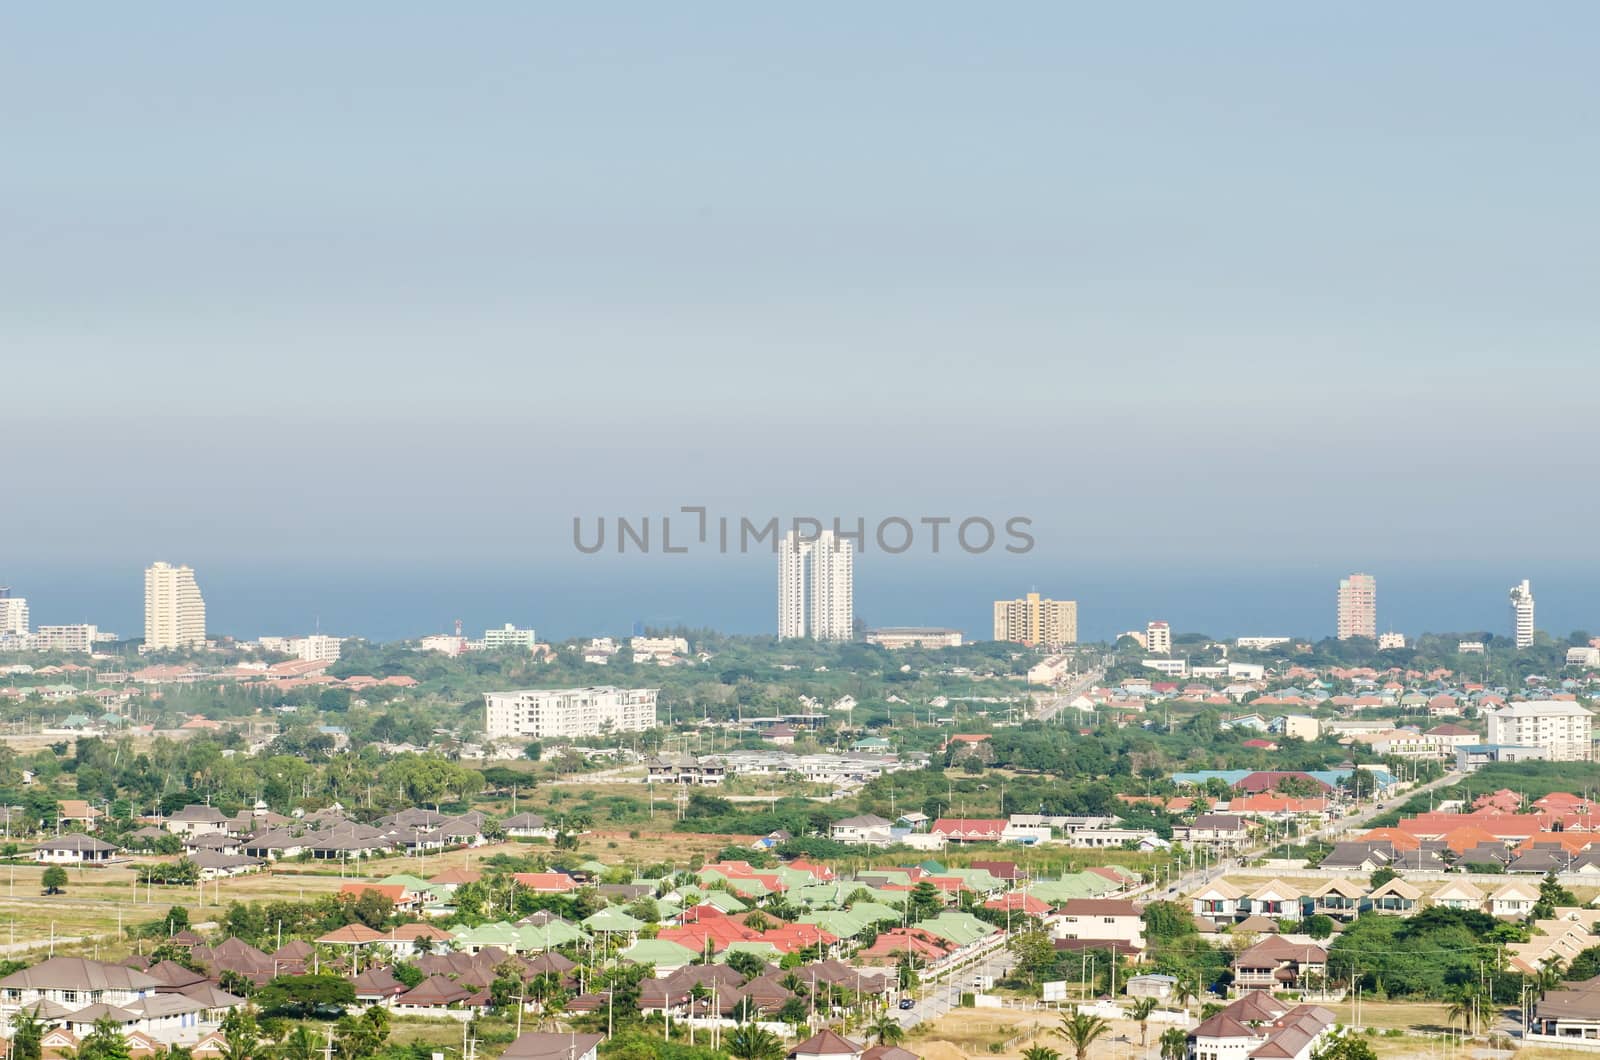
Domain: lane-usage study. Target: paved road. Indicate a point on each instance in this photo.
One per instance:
(1058, 700)
(935, 999)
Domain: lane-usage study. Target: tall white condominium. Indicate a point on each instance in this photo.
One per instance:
(13, 613)
(174, 611)
(547, 712)
(816, 587)
(1358, 607)
(833, 588)
(1522, 613)
(1559, 727)
(792, 553)
(1158, 638)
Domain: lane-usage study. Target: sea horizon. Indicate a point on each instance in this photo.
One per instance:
(737, 595)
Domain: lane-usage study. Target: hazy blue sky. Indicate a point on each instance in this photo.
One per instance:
(1249, 285)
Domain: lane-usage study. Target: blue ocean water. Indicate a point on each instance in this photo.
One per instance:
(585, 596)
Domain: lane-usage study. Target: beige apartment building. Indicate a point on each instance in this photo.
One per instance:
(73, 638)
(174, 611)
(1036, 622)
(1358, 607)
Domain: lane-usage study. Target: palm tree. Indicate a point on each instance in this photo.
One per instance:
(1139, 1012)
(1174, 1043)
(1549, 978)
(886, 1030)
(1185, 991)
(750, 1042)
(1040, 1052)
(239, 1044)
(1081, 1030)
(299, 1045)
(555, 1003)
(1463, 1007)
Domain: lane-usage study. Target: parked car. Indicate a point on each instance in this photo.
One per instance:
(906, 1002)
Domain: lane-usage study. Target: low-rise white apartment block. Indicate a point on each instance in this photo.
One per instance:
(508, 636)
(443, 643)
(897, 637)
(314, 648)
(319, 647)
(78, 638)
(1406, 743)
(1391, 641)
(1575, 656)
(1561, 728)
(656, 649)
(550, 712)
(1469, 647)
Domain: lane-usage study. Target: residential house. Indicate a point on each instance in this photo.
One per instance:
(527, 826)
(1275, 900)
(1219, 900)
(73, 850)
(1224, 831)
(1515, 899)
(1275, 963)
(1568, 1016)
(1255, 1028)
(1395, 898)
(863, 829)
(826, 1045)
(1098, 921)
(1458, 894)
(685, 769)
(1338, 898)
(77, 813)
(196, 820)
(74, 982)
(970, 830)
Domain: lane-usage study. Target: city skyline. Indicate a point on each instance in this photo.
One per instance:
(376, 609)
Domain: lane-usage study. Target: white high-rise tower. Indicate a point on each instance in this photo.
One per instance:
(816, 587)
(833, 595)
(792, 553)
(174, 611)
(13, 613)
(1522, 613)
